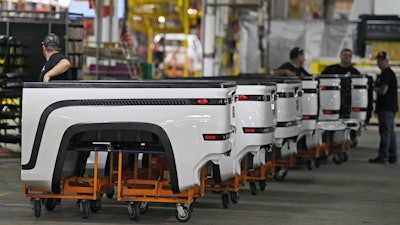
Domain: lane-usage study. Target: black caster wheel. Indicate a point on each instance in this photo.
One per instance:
(317, 163)
(110, 193)
(280, 174)
(143, 207)
(95, 205)
(225, 200)
(310, 164)
(133, 211)
(253, 188)
(337, 158)
(50, 203)
(234, 197)
(37, 207)
(345, 157)
(85, 209)
(262, 184)
(183, 214)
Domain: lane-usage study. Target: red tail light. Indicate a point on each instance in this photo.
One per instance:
(216, 137)
(305, 117)
(210, 137)
(327, 111)
(356, 109)
(202, 101)
(249, 130)
(243, 97)
(322, 88)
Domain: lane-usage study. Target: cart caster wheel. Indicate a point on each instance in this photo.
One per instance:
(280, 174)
(95, 205)
(310, 164)
(133, 211)
(234, 197)
(337, 158)
(353, 140)
(143, 207)
(317, 163)
(110, 193)
(253, 188)
(85, 209)
(345, 157)
(50, 203)
(191, 206)
(262, 184)
(37, 207)
(183, 214)
(225, 200)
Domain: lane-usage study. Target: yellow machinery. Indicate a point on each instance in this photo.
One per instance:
(144, 16)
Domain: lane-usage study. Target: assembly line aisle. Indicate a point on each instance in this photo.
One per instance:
(354, 192)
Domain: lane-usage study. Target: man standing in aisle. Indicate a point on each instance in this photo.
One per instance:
(295, 66)
(57, 67)
(344, 67)
(386, 108)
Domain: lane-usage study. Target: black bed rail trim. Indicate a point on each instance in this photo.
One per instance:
(289, 123)
(310, 91)
(360, 86)
(244, 97)
(285, 94)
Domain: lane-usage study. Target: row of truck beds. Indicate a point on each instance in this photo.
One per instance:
(273, 123)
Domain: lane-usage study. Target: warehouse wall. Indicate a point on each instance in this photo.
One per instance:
(318, 38)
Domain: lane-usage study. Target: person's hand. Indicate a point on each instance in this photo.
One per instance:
(46, 78)
(289, 73)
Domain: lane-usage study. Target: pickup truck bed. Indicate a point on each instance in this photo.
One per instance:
(190, 121)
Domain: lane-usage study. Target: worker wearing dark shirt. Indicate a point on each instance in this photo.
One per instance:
(295, 66)
(386, 108)
(57, 67)
(344, 67)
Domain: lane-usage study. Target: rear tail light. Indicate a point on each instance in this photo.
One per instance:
(356, 109)
(327, 112)
(243, 97)
(258, 130)
(305, 117)
(322, 87)
(249, 130)
(202, 101)
(216, 137)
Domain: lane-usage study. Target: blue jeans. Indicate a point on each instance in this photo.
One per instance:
(388, 144)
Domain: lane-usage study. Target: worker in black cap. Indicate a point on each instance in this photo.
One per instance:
(295, 66)
(57, 67)
(386, 108)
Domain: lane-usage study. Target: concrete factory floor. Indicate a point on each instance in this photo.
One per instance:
(354, 192)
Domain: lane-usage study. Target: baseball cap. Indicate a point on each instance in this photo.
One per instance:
(51, 40)
(296, 51)
(382, 55)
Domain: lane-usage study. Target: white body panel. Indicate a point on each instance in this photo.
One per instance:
(359, 98)
(184, 125)
(309, 104)
(249, 114)
(329, 99)
(288, 110)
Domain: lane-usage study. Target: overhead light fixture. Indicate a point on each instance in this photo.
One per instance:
(161, 19)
